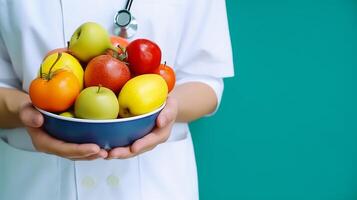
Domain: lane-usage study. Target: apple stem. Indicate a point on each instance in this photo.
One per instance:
(165, 63)
(126, 111)
(59, 55)
(99, 86)
(68, 45)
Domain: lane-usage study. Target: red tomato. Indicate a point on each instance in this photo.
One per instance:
(119, 43)
(168, 74)
(55, 92)
(144, 56)
(106, 71)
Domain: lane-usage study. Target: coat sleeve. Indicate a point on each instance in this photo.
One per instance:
(205, 52)
(8, 78)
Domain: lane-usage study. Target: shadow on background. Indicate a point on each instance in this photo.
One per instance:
(287, 126)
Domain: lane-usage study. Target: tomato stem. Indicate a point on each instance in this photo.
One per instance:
(120, 56)
(113, 49)
(59, 55)
(122, 49)
(41, 70)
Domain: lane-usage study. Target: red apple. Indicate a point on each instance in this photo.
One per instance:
(144, 56)
(106, 71)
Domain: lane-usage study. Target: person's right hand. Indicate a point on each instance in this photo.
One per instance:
(33, 120)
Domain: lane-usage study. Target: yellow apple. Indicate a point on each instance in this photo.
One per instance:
(66, 61)
(142, 94)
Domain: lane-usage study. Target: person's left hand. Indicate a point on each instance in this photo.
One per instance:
(158, 135)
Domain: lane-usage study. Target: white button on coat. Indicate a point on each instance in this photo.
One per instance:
(113, 181)
(194, 39)
(88, 182)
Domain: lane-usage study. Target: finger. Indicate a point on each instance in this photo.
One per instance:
(120, 153)
(47, 144)
(30, 116)
(168, 114)
(157, 136)
(142, 145)
(88, 158)
(101, 154)
(150, 141)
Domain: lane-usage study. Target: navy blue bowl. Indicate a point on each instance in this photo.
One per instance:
(106, 133)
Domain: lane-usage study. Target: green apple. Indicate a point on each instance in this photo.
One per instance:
(88, 41)
(142, 94)
(96, 102)
(66, 61)
(69, 114)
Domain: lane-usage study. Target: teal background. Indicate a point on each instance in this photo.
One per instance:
(287, 125)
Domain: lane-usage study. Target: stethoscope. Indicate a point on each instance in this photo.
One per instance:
(125, 24)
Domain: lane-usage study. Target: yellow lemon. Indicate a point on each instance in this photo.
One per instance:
(142, 94)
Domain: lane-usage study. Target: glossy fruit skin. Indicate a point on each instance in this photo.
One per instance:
(168, 74)
(142, 94)
(120, 45)
(56, 94)
(119, 41)
(88, 41)
(96, 103)
(66, 62)
(58, 50)
(144, 56)
(106, 71)
(69, 114)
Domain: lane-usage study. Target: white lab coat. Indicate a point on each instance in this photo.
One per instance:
(194, 39)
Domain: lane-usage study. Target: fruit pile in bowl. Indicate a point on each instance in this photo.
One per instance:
(101, 89)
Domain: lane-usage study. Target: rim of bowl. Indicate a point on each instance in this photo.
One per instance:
(101, 120)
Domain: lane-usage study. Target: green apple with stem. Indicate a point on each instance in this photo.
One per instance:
(96, 102)
(89, 40)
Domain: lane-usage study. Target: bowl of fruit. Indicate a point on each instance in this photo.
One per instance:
(101, 89)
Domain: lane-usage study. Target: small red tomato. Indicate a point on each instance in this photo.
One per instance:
(168, 74)
(144, 56)
(119, 43)
(55, 92)
(106, 71)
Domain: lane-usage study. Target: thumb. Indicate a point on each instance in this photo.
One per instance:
(168, 114)
(30, 116)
